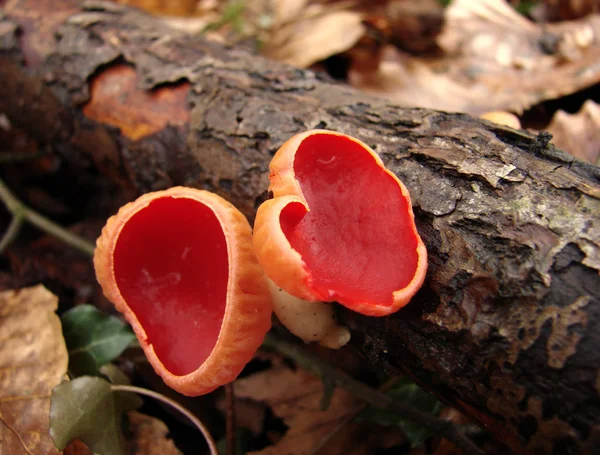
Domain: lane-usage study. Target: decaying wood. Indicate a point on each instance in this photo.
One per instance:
(507, 326)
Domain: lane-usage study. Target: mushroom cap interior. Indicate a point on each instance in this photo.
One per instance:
(171, 266)
(358, 240)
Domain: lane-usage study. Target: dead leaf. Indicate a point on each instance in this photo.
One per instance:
(362, 439)
(495, 59)
(295, 397)
(578, 134)
(77, 447)
(33, 360)
(164, 7)
(502, 118)
(196, 25)
(286, 11)
(414, 25)
(319, 32)
(149, 436)
(553, 10)
(297, 32)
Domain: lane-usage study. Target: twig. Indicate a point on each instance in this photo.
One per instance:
(6, 158)
(374, 397)
(150, 393)
(231, 424)
(18, 209)
(12, 231)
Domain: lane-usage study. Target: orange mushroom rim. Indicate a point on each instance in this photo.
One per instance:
(180, 266)
(340, 226)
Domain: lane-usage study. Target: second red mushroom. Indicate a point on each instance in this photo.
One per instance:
(340, 226)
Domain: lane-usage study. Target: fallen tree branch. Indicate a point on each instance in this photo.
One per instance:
(507, 325)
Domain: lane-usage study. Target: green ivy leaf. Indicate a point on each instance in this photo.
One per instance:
(93, 338)
(411, 394)
(87, 408)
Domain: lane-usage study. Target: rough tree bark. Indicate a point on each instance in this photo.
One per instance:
(507, 326)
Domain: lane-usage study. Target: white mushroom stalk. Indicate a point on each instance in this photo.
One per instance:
(309, 321)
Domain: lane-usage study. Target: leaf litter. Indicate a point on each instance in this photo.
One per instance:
(579, 133)
(484, 57)
(296, 396)
(472, 56)
(33, 360)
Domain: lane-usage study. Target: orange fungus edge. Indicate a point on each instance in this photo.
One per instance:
(284, 265)
(248, 308)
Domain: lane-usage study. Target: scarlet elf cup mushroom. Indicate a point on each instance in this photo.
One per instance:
(340, 226)
(180, 266)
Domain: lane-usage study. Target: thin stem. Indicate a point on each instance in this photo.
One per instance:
(6, 158)
(150, 393)
(12, 231)
(372, 396)
(231, 424)
(17, 208)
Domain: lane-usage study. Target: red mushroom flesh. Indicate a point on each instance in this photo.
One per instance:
(340, 226)
(357, 241)
(179, 264)
(175, 280)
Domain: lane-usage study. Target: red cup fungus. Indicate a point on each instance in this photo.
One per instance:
(180, 266)
(340, 226)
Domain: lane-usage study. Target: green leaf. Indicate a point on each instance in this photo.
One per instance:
(525, 7)
(87, 408)
(93, 338)
(411, 394)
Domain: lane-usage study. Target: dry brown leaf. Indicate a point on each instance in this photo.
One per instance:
(77, 447)
(319, 32)
(414, 25)
(502, 118)
(149, 436)
(295, 397)
(196, 25)
(578, 134)
(495, 59)
(33, 360)
(553, 10)
(286, 11)
(165, 7)
(362, 439)
(297, 32)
